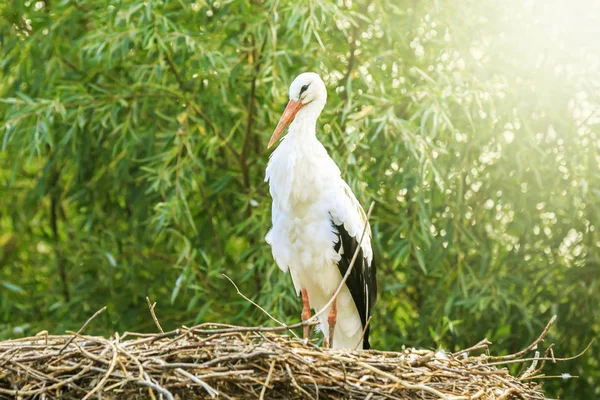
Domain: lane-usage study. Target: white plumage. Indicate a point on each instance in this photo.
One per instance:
(314, 210)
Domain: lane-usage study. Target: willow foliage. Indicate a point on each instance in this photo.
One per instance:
(133, 148)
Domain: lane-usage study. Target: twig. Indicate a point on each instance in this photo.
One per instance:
(483, 344)
(211, 392)
(506, 394)
(532, 368)
(100, 311)
(531, 346)
(242, 329)
(551, 377)
(151, 307)
(539, 369)
(210, 123)
(173, 68)
(362, 335)
(269, 375)
(553, 359)
(158, 388)
(258, 306)
(294, 383)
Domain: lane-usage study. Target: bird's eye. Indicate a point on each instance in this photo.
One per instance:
(303, 89)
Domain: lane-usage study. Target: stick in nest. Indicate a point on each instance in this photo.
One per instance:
(100, 311)
(531, 346)
(257, 305)
(151, 307)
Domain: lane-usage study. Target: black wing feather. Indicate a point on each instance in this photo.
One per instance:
(361, 282)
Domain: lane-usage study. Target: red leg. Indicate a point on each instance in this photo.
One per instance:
(331, 320)
(305, 312)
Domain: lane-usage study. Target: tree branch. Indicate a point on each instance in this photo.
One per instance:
(245, 167)
(251, 106)
(174, 70)
(60, 266)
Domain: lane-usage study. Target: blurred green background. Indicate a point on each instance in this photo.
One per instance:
(133, 148)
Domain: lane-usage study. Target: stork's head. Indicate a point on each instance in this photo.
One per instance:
(307, 94)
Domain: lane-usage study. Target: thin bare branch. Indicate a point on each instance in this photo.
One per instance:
(249, 300)
(90, 319)
(151, 306)
(532, 346)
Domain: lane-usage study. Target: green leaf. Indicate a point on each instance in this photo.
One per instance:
(11, 286)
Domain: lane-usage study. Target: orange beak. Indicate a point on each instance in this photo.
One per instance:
(286, 119)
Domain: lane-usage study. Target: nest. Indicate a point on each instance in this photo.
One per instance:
(231, 362)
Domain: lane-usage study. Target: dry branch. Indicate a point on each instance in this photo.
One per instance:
(223, 361)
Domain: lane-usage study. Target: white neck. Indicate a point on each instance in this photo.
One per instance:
(305, 122)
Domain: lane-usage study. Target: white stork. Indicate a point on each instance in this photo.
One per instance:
(318, 223)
